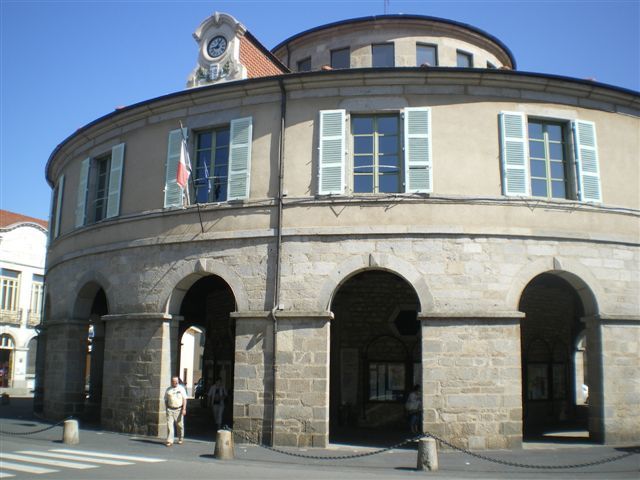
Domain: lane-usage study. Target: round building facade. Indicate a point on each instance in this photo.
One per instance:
(348, 232)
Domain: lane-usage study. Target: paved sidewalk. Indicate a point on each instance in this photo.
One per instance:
(257, 462)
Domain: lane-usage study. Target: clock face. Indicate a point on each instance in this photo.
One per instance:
(217, 46)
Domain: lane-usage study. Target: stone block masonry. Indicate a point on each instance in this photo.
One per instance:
(471, 381)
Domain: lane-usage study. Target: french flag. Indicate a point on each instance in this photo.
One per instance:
(184, 166)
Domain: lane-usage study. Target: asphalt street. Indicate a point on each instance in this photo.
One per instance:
(108, 455)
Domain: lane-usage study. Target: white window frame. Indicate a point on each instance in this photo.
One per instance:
(10, 301)
(37, 298)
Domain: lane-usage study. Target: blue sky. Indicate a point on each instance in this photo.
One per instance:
(66, 63)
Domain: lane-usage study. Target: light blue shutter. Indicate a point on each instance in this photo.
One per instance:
(58, 211)
(586, 151)
(239, 158)
(173, 191)
(83, 190)
(418, 175)
(115, 180)
(514, 154)
(331, 154)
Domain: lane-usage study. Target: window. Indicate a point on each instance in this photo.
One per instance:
(549, 158)
(386, 381)
(56, 208)
(464, 59)
(222, 164)
(376, 153)
(9, 285)
(99, 187)
(379, 163)
(212, 167)
(382, 55)
(341, 58)
(426, 55)
(37, 296)
(304, 65)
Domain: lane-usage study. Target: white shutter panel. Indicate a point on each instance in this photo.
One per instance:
(331, 152)
(115, 180)
(58, 211)
(514, 153)
(83, 190)
(173, 191)
(586, 151)
(239, 158)
(418, 177)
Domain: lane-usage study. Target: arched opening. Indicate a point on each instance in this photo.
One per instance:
(7, 348)
(553, 408)
(192, 359)
(208, 334)
(32, 352)
(94, 365)
(375, 358)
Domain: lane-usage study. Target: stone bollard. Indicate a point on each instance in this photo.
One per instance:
(427, 454)
(224, 445)
(70, 434)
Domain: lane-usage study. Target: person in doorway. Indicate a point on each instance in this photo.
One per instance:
(175, 400)
(414, 408)
(217, 394)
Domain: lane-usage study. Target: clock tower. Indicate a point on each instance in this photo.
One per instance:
(219, 38)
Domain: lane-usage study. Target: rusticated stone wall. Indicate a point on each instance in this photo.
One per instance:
(471, 381)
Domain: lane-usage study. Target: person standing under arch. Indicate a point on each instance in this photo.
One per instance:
(217, 395)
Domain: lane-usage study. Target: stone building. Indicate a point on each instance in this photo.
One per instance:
(23, 245)
(374, 203)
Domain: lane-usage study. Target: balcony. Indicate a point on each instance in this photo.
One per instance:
(33, 318)
(11, 317)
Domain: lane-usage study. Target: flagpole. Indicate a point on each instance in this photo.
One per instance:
(193, 183)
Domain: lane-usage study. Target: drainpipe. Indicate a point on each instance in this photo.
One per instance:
(278, 259)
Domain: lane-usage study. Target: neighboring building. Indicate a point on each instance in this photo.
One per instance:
(23, 246)
(380, 202)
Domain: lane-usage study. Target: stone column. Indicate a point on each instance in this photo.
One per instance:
(613, 359)
(64, 368)
(302, 379)
(472, 387)
(253, 375)
(139, 354)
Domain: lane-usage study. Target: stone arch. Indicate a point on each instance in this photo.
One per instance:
(375, 261)
(579, 277)
(183, 277)
(91, 283)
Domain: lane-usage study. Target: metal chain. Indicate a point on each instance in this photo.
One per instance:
(323, 457)
(444, 442)
(526, 465)
(17, 434)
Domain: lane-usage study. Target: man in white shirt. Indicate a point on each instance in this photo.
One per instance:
(175, 400)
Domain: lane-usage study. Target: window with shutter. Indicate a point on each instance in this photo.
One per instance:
(172, 191)
(417, 144)
(241, 132)
(586, 152)
(331, 152)
(513, 152)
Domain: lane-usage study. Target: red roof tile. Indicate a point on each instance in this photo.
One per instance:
(8, 218)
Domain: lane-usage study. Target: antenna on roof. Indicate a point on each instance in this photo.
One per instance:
(386, 5)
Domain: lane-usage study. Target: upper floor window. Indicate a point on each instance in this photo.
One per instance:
(56, 208)
(464, 59)
(547, 159)
(304, 65)
(9, 287)
(341, 58)
(222, 168)
(379, 163)
(212, 167)
(37, 295)
(382, 55)
(426, 55)
(542, 159)
(376, 153)
(99, 187)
